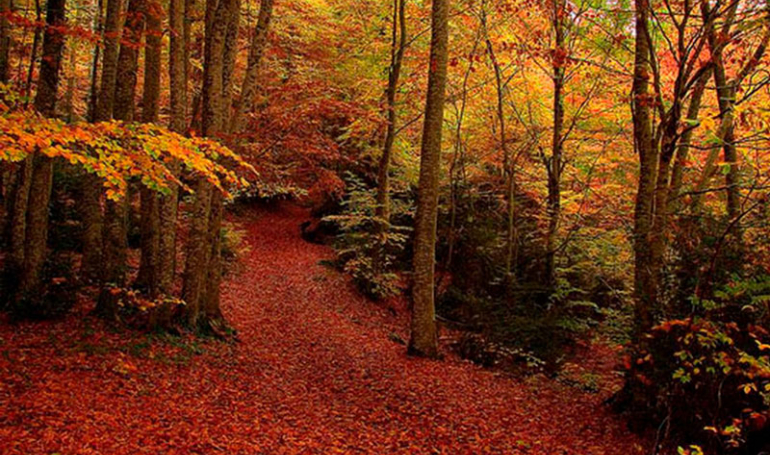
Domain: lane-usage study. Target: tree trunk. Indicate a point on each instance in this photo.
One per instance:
(167, 206)
(397, 49)
(726, 92)
(92, 221)
(152, 61)
(36, 236)
(202, 258)
(147, 278)
(149, 226)
(508, 171)
(644, 286)
(94, 89)
(211, 300)
(17, 227)
(198, 251)
(245, 102)
(6, 7)
(177, 67)
(128, 62)
(228, 64)
(69, 95)
(424, 336)
(113, 275)
(112, 32)
(36, 239)
(554, 167)
(683, 151)
(91, 210)
(33, 53)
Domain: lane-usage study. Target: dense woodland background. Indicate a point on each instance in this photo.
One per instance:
(532, 174)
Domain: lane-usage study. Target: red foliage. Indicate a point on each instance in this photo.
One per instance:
(316, 371)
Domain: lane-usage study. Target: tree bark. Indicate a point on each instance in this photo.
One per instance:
(167, 206)
(91, 207)
(128, 62)
(644, 286)
(245, 101)
(424, 336)
(554, 165)
(149, 243)
(397, 49)
(508, 165)
(152, 61)
(198, 251)
(201, 281)
(147, 277)
(112, 33)
(113, 270)
(33, 53)
(17, 227)
(36, 235)
(94, 89)
(6, 7)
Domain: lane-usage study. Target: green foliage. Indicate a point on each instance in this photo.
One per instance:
(367, 246)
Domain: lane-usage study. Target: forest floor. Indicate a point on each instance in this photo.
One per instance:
(317, 369)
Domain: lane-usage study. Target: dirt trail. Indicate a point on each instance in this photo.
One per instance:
(316, 371)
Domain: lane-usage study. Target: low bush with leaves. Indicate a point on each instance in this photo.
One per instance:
(367, 246)
(705, 379)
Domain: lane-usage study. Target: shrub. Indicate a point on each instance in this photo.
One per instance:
(705, 379)
(367, 245)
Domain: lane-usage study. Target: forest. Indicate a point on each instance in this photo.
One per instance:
(385, 227)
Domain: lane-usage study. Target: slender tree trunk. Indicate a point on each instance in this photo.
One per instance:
(554, 167)
(91, 207)
(167, 205)
(113, 272)
(112, 33)
(244, 103)
(152, 61)
(128, 62)
(458, 158)
(644, 285)
(147, 278)
(33, 53)
(189, 8)
(17, 227)
(69, 96)
(211, 306)
(6, 7)
(726, 91)
(228, 65)
(683, 151)
(508, 165)
(115, 228)
(93, 93)
(397, 49)
(424, 333)
(198, 251)
(36, 237)
(10, 182)
(178, 67)
(149, 226)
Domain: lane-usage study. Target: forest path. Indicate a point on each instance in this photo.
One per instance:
(316, 371)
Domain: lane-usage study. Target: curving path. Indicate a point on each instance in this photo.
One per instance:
(316, 372)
